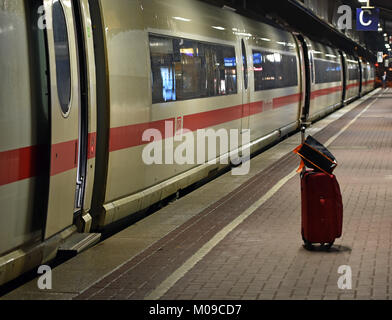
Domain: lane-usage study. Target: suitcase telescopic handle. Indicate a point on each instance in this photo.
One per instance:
(303, 129)
(304, 125)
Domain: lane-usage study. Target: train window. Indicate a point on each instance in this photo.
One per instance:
(371, 73)
(365, 75)
(61, 46)
(327, 71)
(353, 71)
(245, 64)
(183, 69)
(274, 70)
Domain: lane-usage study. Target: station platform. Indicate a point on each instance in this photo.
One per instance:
(238, 237)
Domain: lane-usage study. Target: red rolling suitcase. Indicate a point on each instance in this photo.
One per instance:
(322, 208)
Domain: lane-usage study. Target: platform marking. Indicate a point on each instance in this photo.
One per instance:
(170, 281)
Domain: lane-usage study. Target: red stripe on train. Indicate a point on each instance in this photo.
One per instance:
(132, 135)
(349, 86)
(368, 82)
(16, 165)
(24, 163)
(64, 157)
(255, 108)
(283, 101)
(20, 164)
(212, 118)
(326, 91)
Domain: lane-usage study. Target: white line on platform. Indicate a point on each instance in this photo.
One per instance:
(332, 139)
(170, 281)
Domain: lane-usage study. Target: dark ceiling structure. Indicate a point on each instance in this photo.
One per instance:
(376, 41)
(386, 9)
(295, 16)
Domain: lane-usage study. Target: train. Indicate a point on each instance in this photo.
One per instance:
(84, 79)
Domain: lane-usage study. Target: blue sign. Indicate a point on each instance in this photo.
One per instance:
(230, 62)
(257, 58)
(367, 20)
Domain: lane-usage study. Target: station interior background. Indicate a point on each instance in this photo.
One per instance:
(321, 18)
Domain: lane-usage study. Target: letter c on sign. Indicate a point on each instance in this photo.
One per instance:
(361, 18)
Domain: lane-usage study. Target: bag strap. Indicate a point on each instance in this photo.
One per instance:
(301, 166)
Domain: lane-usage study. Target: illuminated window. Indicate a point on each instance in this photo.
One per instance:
(184, 69)
(274, 70)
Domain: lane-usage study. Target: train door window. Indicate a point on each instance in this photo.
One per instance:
(311, 65)
(183, 69)
(61, 46)
(353, 71)
(365, 73)
(245, 64)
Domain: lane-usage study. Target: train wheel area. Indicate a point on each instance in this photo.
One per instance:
(238, 237)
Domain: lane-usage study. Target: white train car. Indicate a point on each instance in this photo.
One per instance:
(203, 67)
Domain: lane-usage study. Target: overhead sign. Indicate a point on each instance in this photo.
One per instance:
(379, 57)
(367, 19)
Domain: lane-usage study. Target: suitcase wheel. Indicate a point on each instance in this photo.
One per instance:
(329, 245)
(308, 245)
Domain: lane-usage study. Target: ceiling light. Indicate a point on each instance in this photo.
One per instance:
(244, 34)
(182, 19)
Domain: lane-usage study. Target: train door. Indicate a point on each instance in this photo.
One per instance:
(343, 59)
(307, 69)
(86, 150)
(67, 137)
(87, 111)
(246, 89)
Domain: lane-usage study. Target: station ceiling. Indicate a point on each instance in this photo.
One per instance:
(294, 15)
(385, 12)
